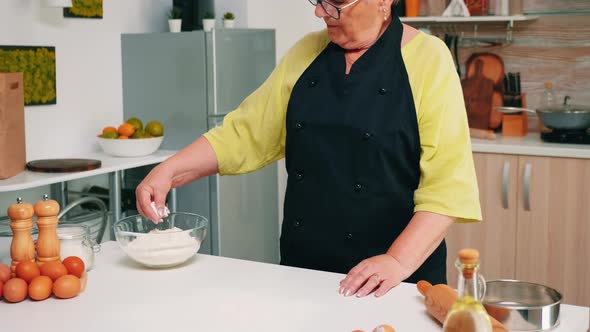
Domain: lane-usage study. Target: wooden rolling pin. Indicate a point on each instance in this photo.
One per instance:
(440, 298)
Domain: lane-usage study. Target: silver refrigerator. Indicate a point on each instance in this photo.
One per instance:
(189, 81)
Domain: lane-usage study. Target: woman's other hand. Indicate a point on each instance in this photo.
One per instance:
(153, 188)
(377, 274)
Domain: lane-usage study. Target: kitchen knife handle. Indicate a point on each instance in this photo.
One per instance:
(528, 170)
(505, 176)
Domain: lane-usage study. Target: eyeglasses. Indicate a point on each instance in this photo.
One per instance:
(331, 9)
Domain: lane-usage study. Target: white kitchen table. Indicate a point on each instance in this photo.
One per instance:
(215, 294)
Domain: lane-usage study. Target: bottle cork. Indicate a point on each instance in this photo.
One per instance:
(22, 247)
(48, 246)
(470, 260)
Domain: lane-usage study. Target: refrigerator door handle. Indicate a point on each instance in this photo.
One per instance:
(214, 62)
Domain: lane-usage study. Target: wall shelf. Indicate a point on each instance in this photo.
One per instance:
(476, 20)
(469, 19)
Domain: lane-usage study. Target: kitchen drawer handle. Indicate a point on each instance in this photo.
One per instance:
(505, 176)
(528, 170)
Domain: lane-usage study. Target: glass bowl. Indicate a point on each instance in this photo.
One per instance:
(168, 243)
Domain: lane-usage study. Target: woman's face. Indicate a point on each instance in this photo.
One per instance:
(359, 24)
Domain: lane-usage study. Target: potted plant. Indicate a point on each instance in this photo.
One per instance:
(228, 20)
(209, 21)
(175, 19)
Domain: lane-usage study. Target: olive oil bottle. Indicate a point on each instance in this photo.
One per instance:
(467, 313)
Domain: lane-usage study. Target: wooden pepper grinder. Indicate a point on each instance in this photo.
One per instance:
(48, 242)
(22, 247)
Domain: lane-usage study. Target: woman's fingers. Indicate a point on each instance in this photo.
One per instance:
(373, 282)
(354, 281)
(143, 196)
(385, 287)
(375, 274)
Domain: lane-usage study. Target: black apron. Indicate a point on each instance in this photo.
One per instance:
(353, 161)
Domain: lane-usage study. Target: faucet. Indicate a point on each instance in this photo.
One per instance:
(566, 99)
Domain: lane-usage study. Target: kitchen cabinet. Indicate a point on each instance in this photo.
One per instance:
(553, 225)
(536, 222)
(495, 236)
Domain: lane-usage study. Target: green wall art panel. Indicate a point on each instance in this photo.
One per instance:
(37, 63)
(84, 9)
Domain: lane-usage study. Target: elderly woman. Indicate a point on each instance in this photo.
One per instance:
(369, 115)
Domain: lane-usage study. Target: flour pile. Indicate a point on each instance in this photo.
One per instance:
(163, 247)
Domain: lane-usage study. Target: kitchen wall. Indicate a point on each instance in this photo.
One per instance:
(555, 47)
(89, 84)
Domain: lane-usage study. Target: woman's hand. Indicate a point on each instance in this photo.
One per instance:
(153, 188)
(379, 274)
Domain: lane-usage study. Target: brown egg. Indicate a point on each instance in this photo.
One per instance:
(53, 270)
(15, 290)
(40, 288)
(74, 265)
(27, 271)
(384, 328)
(66, 287)
(4, 273)
(1, 286)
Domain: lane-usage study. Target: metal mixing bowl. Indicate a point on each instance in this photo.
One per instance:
(522, 306)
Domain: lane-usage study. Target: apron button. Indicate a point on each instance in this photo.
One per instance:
(298, 126)
(382, 91)
(298, 222)
(358, 187)
(299, 176)
(366, 136)
(349, 236)
(312, 83)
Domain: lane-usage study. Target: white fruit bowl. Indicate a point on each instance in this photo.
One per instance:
(130, 147)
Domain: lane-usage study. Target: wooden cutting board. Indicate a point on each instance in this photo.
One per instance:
(63, 165)
(477, 92)
(481, 97)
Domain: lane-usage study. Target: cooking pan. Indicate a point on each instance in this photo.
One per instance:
(559, 117)
(522, 306)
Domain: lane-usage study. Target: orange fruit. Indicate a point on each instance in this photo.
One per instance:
(107, 129)
(123, 137)
(126, 129)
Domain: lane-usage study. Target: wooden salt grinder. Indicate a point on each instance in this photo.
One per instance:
(22, 247)
(48, 242)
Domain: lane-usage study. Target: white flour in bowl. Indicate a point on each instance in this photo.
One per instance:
(163, 247)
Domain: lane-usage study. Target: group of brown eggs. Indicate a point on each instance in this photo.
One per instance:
(64, 279)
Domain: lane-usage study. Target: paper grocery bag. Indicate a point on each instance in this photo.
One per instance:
(13, 157)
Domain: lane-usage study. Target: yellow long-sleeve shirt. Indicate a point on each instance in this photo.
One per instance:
(253, 135)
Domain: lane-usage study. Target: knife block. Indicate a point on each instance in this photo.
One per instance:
(515, 124)
(12, 125)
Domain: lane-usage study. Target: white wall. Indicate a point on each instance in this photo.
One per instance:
(89, 83)
(88, 61)
(292, 20)
(238, 7)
